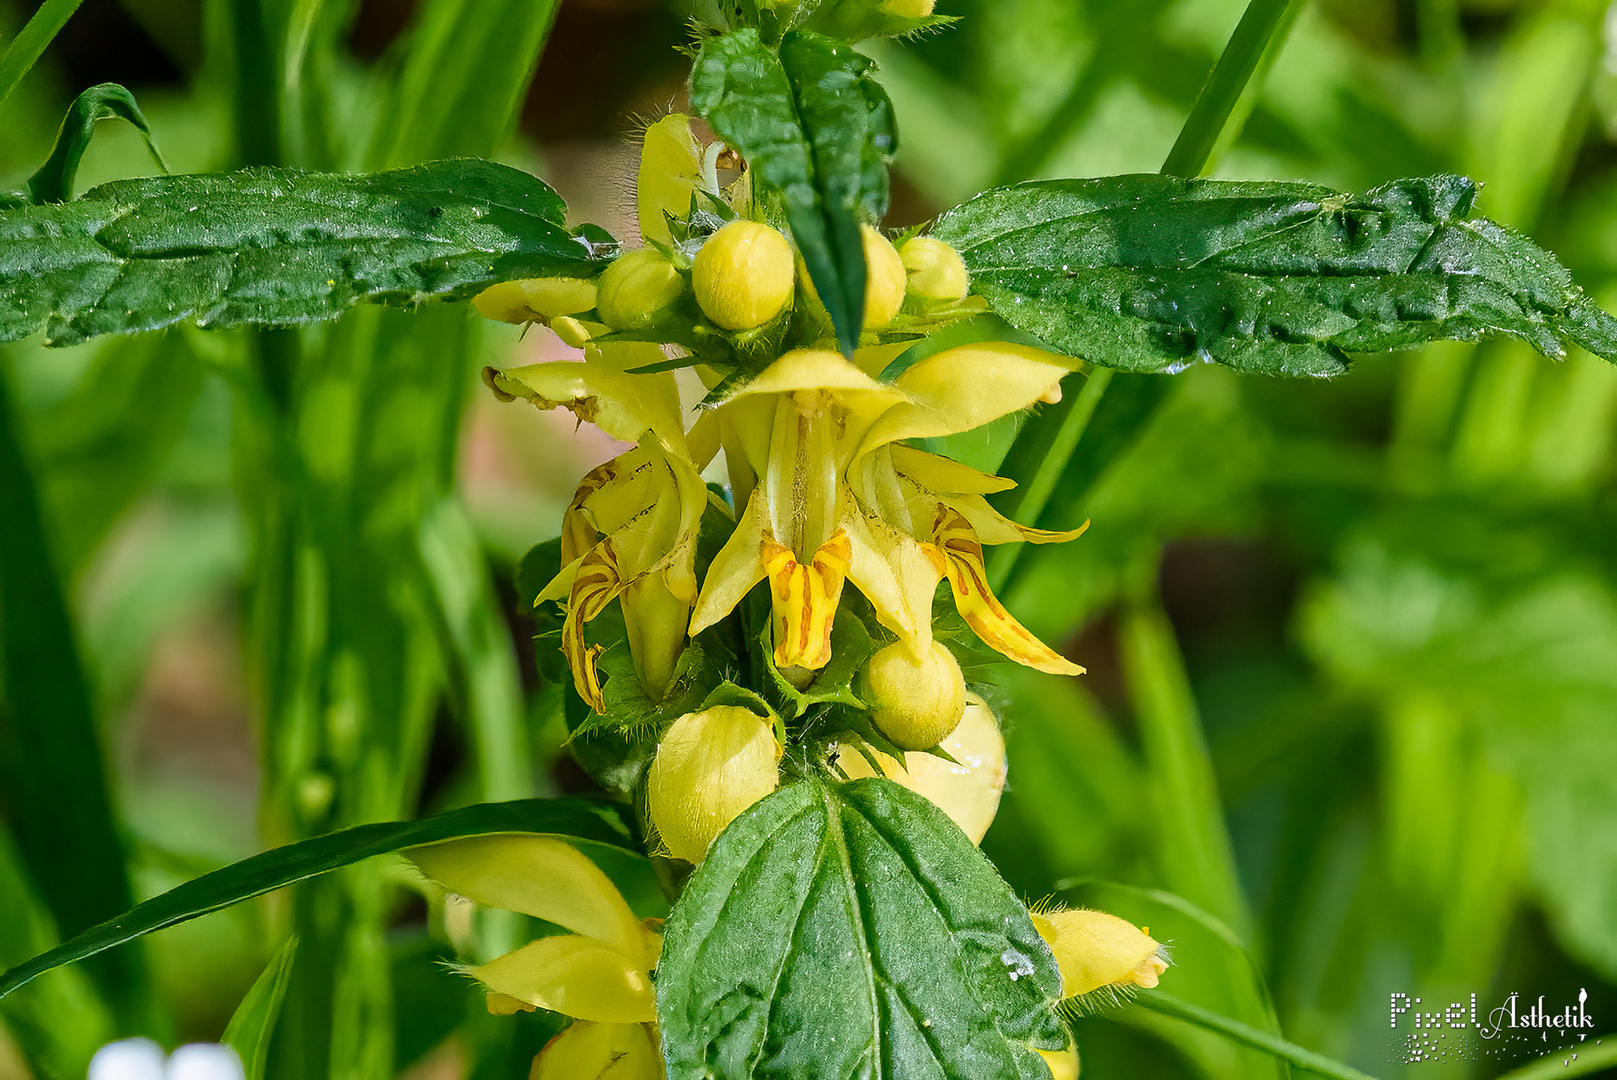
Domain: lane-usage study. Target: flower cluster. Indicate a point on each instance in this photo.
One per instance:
(831, 484)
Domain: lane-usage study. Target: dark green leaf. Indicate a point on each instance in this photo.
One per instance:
(853, 930)
(54, 180)
(53, 787)
(274, 246)
(576, 819)
(250, 1027)
(1153, 273)
(818, 130)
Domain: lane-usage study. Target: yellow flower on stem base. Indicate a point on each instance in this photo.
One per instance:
(630, 531)
(836, 496)
(1097, 952)
(600, 974)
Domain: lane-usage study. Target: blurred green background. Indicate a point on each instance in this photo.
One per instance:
(1349, 723)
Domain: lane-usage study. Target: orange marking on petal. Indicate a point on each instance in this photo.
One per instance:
(805, 599)
(968, 582)
(596, 585)
(577, 533)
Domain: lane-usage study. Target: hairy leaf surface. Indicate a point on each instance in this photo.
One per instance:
(852, 930)
(816, 128)
(275, 247)
(1151, 273)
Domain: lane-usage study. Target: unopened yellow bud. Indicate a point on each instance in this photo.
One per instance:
(636, 288)
(1094, 949)
(885, 279)
(743, 275)
(710, 766)
(535, 299)
(936, 271)
(909, 9)
(968, 788)
(915, 700)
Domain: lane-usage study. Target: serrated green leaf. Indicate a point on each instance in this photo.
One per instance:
(575, 819)
(54, 180)
(853, 930)
(817, 129)
(275, 247)
(1152, 273)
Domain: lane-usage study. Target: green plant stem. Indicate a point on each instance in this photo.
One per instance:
(1168, 1005)
(1042, 458)
(1224, 87)
(30, 43)
(1591, 1059)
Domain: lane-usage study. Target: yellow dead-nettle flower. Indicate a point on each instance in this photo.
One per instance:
(600, 974)
(710, 766)
(967, 789)
(831, 495)
(630, 532)
(1097, 951)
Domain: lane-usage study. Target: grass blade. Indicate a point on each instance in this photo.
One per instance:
(1591, 1058)
(1169, 1005)
(248, 1032)
(50, 754)
(30, 43)
(578, 819)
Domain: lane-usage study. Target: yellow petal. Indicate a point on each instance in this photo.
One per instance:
(535, 299)
(536, 875)
(735, 569)
(560, 585)
(1063, 1063)
(595, 584)
(993, 527)
(968, 580)
(804, 599)
(1094, 949)
(622, 405)
(587, 1051)
(654, 621)
(818, 369)
(896, 573)
(963, 388)
(670, 173)
(576, 976)
(578, 532)
(945, 475)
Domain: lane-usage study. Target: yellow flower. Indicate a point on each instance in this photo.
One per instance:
(630, 531)
(831, 494)
(600, 974)
(1095, 951)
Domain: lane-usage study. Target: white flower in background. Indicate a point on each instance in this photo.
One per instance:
(142, 1059)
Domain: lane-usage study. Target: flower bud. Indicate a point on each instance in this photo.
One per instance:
(935, 270)
(743, 275)
(908, 9)
(915, 700)
(710, 766)
(1094, 949)
(885, 279)
(535, 299)
(968, 791)
(636, 288)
